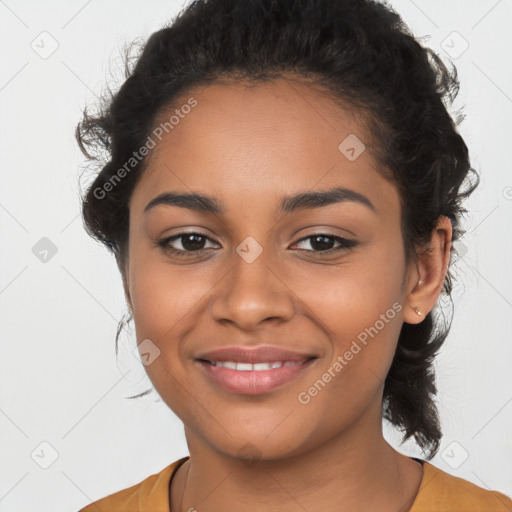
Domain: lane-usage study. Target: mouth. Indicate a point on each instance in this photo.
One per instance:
(248, 367)
(255, 371)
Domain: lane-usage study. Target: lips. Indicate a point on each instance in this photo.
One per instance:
(261, 354)
(253, 371)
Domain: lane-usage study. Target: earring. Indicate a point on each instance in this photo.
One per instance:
(418, 311)
(420, 282)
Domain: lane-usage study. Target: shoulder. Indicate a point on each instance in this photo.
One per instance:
(151, 494)
(440, 491)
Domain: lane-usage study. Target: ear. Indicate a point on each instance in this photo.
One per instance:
(426, 284)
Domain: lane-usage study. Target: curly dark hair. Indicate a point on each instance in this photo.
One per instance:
(360, 53)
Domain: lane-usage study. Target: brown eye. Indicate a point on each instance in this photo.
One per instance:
(192, 242)
(323, 242)
(185, 244)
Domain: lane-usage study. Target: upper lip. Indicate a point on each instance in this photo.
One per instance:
(261, 354)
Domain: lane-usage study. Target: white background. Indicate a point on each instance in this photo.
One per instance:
(59, 379)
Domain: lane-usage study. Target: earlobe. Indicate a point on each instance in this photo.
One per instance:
(419, 312)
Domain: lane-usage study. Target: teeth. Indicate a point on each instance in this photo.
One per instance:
(244, 367)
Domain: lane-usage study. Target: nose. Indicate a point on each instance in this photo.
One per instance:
(251, 294)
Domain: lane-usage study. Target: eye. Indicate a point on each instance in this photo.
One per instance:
(323, 242)
(188, 244)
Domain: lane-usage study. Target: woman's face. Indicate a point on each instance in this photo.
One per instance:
(255, 275)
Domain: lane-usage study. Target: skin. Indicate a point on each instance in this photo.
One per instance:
(249, 147)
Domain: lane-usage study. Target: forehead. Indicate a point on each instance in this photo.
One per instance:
(243, 142)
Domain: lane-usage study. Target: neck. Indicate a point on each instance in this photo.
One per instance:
(354, 470)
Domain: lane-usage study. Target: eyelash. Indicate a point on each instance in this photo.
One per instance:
(345, 244)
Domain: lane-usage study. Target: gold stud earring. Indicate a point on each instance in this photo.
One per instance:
(418, 311)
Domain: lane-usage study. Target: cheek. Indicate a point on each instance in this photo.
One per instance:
(166, 301)
(363, 336)
(164, 295)
(359, 306)
(365, 324)
(351, 297)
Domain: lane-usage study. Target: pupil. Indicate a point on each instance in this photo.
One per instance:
(321, 246)
(190, 242)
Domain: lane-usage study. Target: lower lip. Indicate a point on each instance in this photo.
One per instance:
(254, 382)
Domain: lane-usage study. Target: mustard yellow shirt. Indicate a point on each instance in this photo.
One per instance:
(439, 492)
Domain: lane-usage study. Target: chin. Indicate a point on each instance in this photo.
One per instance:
(252, 445)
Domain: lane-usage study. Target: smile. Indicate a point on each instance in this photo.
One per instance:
(253, 378)
(245, 367)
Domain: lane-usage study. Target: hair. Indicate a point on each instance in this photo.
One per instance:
(360, 53)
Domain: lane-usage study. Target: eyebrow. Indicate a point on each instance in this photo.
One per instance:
(289, 204)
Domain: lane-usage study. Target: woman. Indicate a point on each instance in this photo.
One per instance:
(283, 189)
